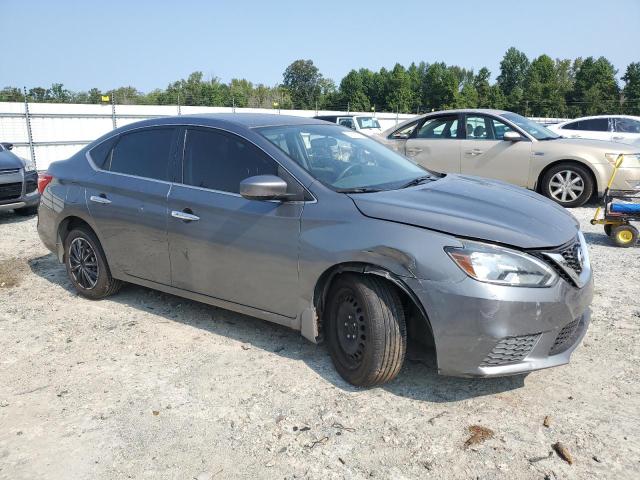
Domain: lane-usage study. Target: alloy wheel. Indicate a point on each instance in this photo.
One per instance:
(83, 263)
(566, 186)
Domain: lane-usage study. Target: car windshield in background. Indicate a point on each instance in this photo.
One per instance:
(534, 129)
(367, 122)
(345, 160)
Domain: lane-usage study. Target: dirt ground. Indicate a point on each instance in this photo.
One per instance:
(148, 385)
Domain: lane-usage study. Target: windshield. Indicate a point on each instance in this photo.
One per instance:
(534, 129)
(342, 159)
(367, 122)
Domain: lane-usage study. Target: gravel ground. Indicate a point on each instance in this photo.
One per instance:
(148, 385)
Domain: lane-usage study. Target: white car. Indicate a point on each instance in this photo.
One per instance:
(365, 124)
(616, 128)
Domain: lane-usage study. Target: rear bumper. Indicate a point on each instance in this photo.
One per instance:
(483, 330)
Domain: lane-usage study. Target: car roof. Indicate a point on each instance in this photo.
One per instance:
(246, 120)
(488, 111)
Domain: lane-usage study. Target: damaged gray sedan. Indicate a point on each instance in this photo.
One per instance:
(321, 229)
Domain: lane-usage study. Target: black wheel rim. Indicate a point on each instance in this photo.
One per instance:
(351, 329)
(83, 263)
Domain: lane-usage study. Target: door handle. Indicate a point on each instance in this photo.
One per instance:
(413, 151)
(100, 199)
(474, 152)
(185, 215)
(617, 138)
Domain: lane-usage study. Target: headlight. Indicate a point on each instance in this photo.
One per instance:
(502, 266)
(628, 159)
(29, 165)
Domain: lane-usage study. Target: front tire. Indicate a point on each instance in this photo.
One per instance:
(568, 184)
(87, 265)
(366, 329)
(625, 235)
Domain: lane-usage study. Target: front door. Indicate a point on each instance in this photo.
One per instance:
(435, 144)
(127, 198)
(486, 154)
(223, 245)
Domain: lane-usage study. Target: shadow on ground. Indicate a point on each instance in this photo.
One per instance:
(417, 380)
(9, 217)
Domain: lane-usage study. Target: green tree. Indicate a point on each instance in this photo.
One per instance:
(302, 81)
(513, 70)
(596, 90)
(352, 92)
(483, 87)
(11, 94)
(542, 91)
(631, 89)
(439, 87)
(399, 95)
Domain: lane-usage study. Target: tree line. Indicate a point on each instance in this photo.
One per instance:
(542, 87)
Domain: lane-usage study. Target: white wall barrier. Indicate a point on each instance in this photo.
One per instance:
(59, 130)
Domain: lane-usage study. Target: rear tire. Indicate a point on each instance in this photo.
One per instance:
(625, 236)
(26, 211)
(568, 184)
(87, 265)
(366, 329)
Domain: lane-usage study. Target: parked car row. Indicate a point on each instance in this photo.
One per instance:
(507, 146)
(322, 229)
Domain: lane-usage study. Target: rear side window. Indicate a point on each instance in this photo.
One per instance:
(592, 125)
(101, 154)
(144, 153)
(220, 161)
(627, 125)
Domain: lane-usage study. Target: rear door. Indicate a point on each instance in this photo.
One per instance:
(234, 249)
(486, 154)
(435, 144)
(127, 198)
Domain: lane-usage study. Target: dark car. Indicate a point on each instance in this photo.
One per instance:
(323, 230)
(18, 183)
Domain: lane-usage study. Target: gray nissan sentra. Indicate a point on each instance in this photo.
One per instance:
(319, 228)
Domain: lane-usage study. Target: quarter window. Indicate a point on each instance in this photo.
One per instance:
(220, 161)
(144, 153)
(439, 128)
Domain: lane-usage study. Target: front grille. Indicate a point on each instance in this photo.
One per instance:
(10, 191)
(567, 336)
(510, 350)
(571, 255)
(9, 171)
(567, 261)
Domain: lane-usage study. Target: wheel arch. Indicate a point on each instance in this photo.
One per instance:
(65, 226)
(587, 166)
(326, 279)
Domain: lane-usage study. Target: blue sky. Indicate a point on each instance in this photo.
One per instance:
(147, 44)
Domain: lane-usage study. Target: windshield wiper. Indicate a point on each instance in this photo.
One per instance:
(417, 181)
(359, 190)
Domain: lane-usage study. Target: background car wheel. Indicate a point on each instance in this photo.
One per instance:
(26, 211)
(625, 235)
(568, 184)
(366, 329)
(608, 227)
(87, 265)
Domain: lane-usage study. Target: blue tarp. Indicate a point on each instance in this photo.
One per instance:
(625, 208)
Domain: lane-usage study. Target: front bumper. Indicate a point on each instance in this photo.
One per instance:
(483, 330)
(28, 200)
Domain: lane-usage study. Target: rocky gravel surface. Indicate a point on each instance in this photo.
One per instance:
(148, 385)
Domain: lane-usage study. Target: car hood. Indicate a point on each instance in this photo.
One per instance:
(9, 160)
(572, 144)
(473, 207)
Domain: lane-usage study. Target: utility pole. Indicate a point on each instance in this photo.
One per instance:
(27, 119)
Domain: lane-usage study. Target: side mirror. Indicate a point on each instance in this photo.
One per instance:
(512, 137)
(7, 145)
(264, 187)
